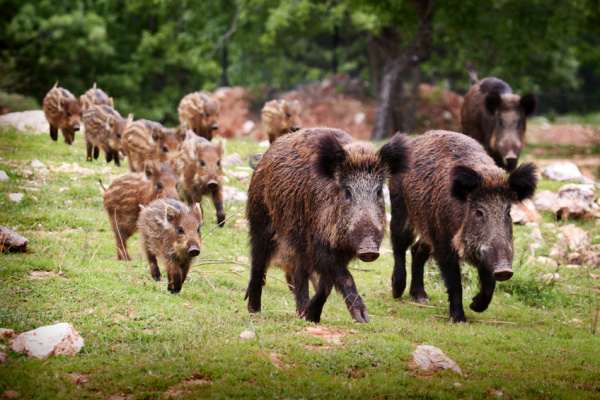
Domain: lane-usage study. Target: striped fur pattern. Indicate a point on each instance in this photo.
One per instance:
(124, 196)
(280, 117)
(200, 112)
(95, 97)
(148, 140)
(63, 112)
(104, 128)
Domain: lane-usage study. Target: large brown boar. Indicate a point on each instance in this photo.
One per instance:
(497, 118)
(170, 231)
(317, 196)
(95, 97)
(457, 201)
(201, 173)
(200, 112)
(63, 112)
(124, 196)
(104, 128)
(279, 117)
(148, 140)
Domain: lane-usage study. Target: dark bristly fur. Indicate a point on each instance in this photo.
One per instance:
(457, 201)
(315, 201)
(497, 118)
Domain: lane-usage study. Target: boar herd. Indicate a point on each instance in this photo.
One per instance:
(316, 197)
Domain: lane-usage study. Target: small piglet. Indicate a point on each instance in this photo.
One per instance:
(145, 140)
(95, 97)
(104, 128)
(171, 231)
(63, 111)
(200, 173)
(280, 117)
(199, 111)
(123, 198)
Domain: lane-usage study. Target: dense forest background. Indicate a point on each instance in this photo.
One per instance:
(148, 53)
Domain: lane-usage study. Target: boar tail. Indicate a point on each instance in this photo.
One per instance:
(472, 73)
(102, 185)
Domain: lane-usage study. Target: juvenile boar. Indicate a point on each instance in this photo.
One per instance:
(457, 201)
(170, 231)
(317, 196)
(63, 112)
(497, 118)
(124, 196)
(280, 117)
(200, 112)
(104, 128)
(148, 140)
(95, 97)
(201, 173)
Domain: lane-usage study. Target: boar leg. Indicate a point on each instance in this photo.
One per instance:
(109, 156)
(420, 253)
(315, 306)
(154, 271)
(402, 238)
(88, 149)
(53, 133)
(175, 277)
(450, 269)
(345, 284)
(116, 158)
(69, 136)
(217, 198)
(300, 289)
(487, 284)
(96, 152)
(262, 249)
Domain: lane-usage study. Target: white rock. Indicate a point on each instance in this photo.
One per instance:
(3, 176)
(359, 118)
(240, 175)
(537, 240)
(578, 192)
(232, 194)
(551, 277)
(248, 127)
(264, 144)
(232, 159)
(30, 121)
(15, 197)
(247, 334)
(431, 358)
(546, 201)
(524, 212)
(562, 171)
(37, 164)
(547, 262)
(58, 339)
(573, 237)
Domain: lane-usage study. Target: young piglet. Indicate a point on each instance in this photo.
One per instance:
(145, 140)
(63, 112)
(199, 111)
(280, 117)
(170, 231)
(104, 128)
(95, 97)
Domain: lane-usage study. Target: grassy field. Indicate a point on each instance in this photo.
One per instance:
(141, 342)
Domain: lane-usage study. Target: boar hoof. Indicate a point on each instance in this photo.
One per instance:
(479, 304)
(156, 277)
(253, 309)
(420, 298)
(398, 286)
(360, 314)
(455, 319)
(312, 316)
(221, 220)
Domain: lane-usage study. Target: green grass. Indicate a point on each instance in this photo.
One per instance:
(533, 342)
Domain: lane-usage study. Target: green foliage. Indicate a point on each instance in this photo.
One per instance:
(16, 102)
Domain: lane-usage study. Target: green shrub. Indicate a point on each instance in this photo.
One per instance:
(11, 102)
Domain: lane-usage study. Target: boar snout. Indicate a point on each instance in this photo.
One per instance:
(212, 184)
(214, 127)
(75, 127)
(510, 160)
(294, 128)
(503, 271)
(193, 250)
(368, 250)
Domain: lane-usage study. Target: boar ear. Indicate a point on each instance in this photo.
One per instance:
(492, 102)
(396, 153)
(171, 214)
(528, 104)
(150, 169)
(197, 210)
(523, 181)
(220, 147)
(330, 154)
(464, 181)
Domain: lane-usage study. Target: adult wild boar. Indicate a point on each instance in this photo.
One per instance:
(457, 201)
(63, 112)
(317, 196)
(497, 118)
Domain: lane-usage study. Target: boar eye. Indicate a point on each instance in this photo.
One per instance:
(479, 214)
(202, 163)
(159, 186)
(379, 192)
(288, 115)
(218, 163)
(165, 149)
(119, 135)
(180, 231)
(198, 230)
(348, 193)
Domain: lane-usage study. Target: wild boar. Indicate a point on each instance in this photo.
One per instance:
(124, 196)
(497, 118)
(457, 201)
(170, 230)
(200, 112)
(201, 173)
(148, 140)
(317, 196)
(63, 112)
(104, 128)
(95, 97)
(280, 117)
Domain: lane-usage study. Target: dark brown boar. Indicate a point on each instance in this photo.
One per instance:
(124, 196)
(104, 128)
(280, 117)
(457, 201)
(200, 112)
(63, 112)
(497, 118)
(317, 196)
(201, 173)
(170, 231)
(95, 97)
(145, 140)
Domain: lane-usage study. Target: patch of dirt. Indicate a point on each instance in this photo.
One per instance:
(120, 396)
(40, 275)
(563, 134)
(78, 379)
(331, 336)
(275, 359)
(187, 385)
